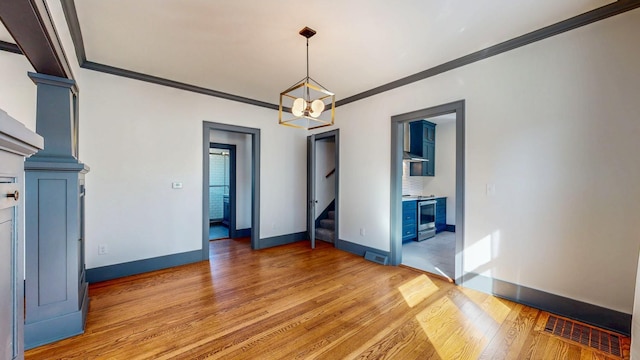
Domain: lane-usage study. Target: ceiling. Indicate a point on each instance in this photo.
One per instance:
(252, 48)
(4, 34)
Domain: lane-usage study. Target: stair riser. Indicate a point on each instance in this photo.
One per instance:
(324, 234)
(328, 224)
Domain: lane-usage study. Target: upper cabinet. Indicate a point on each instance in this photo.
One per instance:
(422, 143)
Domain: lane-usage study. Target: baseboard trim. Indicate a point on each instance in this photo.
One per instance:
(240, 233)
(577, 310)
(282, 240)
(110, 272)
(50, 330)
(358, 249)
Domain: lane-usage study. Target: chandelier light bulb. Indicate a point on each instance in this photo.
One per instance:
(299, 106)
(317, 107)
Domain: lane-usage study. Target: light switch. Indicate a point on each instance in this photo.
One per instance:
(176, 185)
(491, 189)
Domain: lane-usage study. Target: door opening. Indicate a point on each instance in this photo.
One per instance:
(454, 231)
(243, 217)
(222, 191)
(323, 173)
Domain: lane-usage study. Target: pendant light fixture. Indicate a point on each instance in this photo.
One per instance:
(307, 104)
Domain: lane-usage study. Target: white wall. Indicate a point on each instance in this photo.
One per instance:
(325, 162)
(17, 91)
(444, 183)
(130, 204)
(554, 126)
(243, 173)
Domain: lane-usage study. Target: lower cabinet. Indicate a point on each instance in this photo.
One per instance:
(441, 214)
(16, 143)
(409, 220)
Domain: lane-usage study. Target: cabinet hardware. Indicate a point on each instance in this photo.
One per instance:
(15, 195)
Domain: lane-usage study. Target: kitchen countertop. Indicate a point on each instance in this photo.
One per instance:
(419, 197)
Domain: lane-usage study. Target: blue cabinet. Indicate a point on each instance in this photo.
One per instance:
(441, 214)
(409, 220)
(422, 143)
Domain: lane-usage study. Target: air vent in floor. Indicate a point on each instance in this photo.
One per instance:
(585, 335)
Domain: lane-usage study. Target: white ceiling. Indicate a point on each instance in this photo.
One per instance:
(4, 34)
(252, 48)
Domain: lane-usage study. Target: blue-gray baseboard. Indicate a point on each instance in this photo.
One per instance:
(58, 328)
(109, 272)
(358, 249)
(239, 233)
(115, 271)
(577, 310)
(283, 239)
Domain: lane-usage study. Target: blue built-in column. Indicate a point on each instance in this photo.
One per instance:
(56, 293)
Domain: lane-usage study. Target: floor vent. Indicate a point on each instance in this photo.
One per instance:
(585, 335)
(377, 258)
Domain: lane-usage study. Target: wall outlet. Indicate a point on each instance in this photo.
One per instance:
(361, 231)
(102, 249)
(176, 185)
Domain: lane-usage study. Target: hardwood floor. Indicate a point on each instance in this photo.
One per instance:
(291, 302)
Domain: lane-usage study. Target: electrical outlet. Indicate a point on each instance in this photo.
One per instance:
(361, 231)
(176, 185)
(102, 249)
(491, 189)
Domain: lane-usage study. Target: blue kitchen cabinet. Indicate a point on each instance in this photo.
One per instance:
(409, 220)
(441, 214)
(422, 143)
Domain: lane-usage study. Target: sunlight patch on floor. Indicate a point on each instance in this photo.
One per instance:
(452, 334)
(418, 289)
(491, 305)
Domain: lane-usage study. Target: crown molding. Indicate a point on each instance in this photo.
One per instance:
(604, 12)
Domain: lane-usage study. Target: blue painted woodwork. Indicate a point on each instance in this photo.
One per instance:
(574, 309)
(16, 142)
(409, 220)
(358, 249)
(115, 271)
(441, 214)
(56, 292)
(422, 143)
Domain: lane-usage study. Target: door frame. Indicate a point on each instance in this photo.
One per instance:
(311, 140)
(232, 184)
(397, 142)
(207, 127)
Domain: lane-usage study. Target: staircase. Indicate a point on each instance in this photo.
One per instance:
(326, 230)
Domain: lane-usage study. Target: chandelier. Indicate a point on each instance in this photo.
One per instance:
(307, 104)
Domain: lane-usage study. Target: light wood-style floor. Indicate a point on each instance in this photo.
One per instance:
(291, 302)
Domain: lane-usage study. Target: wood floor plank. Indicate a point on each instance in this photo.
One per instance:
(291, 302)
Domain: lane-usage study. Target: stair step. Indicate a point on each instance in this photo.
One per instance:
(325, 234)
(328, 224)
(332, 214)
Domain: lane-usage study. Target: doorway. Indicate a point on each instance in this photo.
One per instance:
(323, 175)
(397, 141)
(222, 191)
(244, 182)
